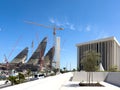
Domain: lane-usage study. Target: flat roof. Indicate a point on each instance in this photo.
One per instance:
(99, 40)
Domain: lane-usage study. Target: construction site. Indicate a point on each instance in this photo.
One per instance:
(39, 61)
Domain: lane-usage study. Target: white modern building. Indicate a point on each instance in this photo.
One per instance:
(109, 48)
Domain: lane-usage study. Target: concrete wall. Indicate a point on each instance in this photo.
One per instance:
(113, 78)
(79, 76)
(110, 77)
(82, 76)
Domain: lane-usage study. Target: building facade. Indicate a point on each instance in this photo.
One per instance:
(109, 48)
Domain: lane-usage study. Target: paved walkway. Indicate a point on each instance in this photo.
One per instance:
(5, 85)
(58, 82)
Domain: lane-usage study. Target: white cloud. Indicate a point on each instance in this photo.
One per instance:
(88, 28)
(84, 28)
(52, 20)
(102, 34)
(55, 21)
(72, 27)
(78, 27)
(67, 23)
(64, 24)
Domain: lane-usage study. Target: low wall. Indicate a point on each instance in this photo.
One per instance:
(83, 76)
(109, 77)
(113, 78)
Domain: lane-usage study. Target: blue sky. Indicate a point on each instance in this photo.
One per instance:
(82, 20)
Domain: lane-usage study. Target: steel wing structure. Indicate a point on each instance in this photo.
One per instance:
(37, 56)
(21, 57)
(49, 58)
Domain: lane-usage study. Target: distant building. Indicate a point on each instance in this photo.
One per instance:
(21, 57)
(109, 48)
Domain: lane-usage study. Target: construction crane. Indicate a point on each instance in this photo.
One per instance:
(54, 28)
(6, 61)
(15, 45)
(7, 58)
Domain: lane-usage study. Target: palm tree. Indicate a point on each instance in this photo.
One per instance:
(64, 68)
(12, 79)
(21, 77)
(28, 73)
(16, 79)
(90, 61)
